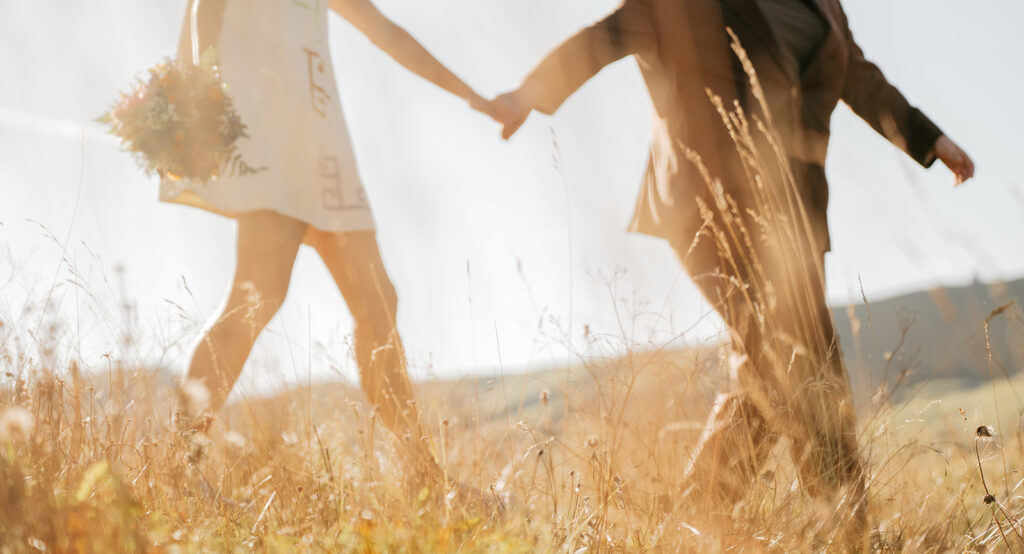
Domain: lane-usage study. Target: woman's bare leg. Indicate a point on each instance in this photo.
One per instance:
(354, 261)
(267, 245)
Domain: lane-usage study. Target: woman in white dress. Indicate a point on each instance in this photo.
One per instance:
(295, 181)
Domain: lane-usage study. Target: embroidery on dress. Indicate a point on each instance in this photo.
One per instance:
(318, 96)
(237, 167)
(315, 6)
(333, 196)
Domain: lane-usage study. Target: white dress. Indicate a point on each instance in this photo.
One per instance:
(298, 159)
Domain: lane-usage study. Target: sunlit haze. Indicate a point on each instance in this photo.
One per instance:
(484, 239)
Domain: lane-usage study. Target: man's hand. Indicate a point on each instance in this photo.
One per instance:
(511, 110)
(955, 159)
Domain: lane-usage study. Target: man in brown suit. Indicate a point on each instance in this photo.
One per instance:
(736, 184)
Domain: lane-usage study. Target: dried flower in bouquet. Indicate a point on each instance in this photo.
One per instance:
(180, 123)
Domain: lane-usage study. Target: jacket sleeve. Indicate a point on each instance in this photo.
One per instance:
(878, 102)
(626, 31)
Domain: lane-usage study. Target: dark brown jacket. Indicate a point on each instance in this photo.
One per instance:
(684, 51)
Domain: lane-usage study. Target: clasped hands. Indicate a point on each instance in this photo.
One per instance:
(512, 108)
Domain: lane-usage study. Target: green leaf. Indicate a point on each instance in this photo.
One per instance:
(96, 475)
(209, 59)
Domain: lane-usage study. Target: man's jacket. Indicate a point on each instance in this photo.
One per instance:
(684, 52)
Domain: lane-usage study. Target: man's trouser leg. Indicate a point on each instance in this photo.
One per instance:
(788, 380)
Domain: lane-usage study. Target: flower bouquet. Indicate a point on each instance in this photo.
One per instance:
(180, 123)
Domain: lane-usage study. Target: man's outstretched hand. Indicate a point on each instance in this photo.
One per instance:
(511, 110)
(955, 159)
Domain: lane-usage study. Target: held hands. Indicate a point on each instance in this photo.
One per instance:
(483, 105)
(954, 158)
(510, 110)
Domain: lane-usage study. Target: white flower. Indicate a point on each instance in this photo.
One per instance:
(197, 395)
(15, 422)
(234, 439)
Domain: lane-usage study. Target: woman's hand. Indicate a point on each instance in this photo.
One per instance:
(483, 105)
(511, 109)
(954, 158)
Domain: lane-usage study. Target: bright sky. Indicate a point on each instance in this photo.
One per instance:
(448, 195)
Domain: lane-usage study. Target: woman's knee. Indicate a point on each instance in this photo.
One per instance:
(388, 297)
(377, 329)
(374, 306)
(254, 303)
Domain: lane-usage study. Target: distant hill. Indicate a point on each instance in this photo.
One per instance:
(937, 334)
(943, 346)
(935, 337)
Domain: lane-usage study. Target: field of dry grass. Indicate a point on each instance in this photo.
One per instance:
(587, 457)
(578, 459)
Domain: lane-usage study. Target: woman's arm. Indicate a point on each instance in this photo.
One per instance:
(628, 30)
(405, 49)
(209, 19)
